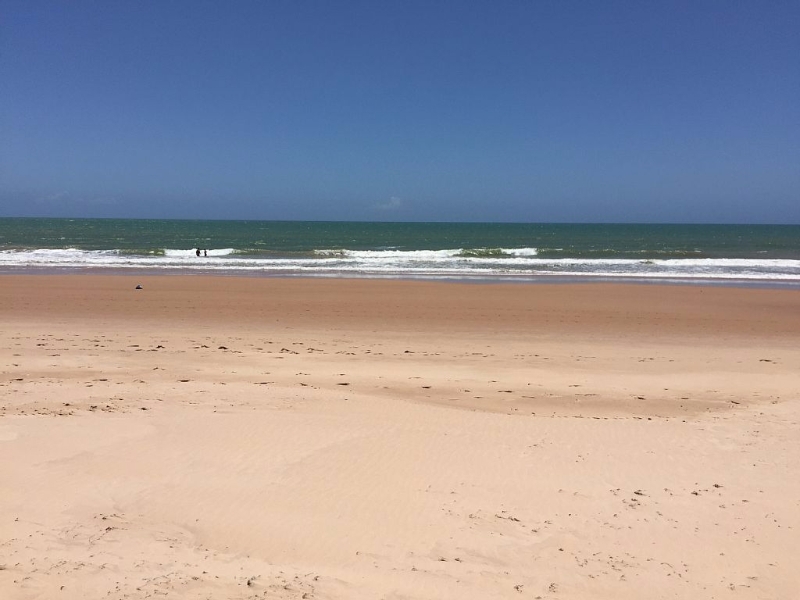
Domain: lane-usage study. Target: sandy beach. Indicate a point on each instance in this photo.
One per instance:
(227, 437)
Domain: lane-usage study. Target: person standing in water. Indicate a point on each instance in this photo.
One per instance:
(197, 252)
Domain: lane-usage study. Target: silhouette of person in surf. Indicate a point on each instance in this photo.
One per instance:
(197, 252)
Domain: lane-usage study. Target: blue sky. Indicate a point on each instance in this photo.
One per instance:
(382, 110)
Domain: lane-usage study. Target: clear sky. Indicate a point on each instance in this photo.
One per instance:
(406, 110)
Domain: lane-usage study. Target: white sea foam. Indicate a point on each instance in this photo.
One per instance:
(413, 255)
(404, 255)
(521, 251)
(513, 263)
(192, 252)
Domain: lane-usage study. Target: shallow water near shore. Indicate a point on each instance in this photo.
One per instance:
(758, 254)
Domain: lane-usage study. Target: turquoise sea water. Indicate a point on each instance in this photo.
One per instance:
(716, 253)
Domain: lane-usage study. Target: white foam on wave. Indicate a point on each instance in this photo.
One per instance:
(406, 255)
(413, 255)
(192, 252)
(52, 256)
(779, 263)
(515, 263)
(521, 251)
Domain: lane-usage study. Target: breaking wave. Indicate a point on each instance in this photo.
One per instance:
(491, 263)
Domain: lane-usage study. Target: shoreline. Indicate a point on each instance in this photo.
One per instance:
(538, 279)
(611, 307)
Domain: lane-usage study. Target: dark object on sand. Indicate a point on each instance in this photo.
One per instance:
(138, 287)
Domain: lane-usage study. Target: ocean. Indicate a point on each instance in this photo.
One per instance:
(722, 254)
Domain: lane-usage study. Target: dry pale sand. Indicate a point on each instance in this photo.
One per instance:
(267, 438)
